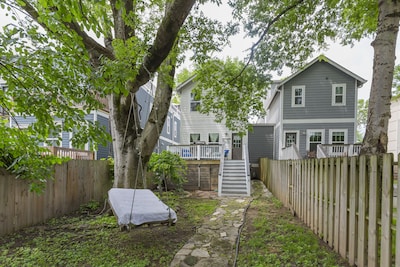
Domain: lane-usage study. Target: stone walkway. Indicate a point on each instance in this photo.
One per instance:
(214, 243)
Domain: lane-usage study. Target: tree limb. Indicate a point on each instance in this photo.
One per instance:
(90, 44)
(164, 41)
(264, 33)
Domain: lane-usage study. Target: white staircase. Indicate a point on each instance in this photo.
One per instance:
(234, 178)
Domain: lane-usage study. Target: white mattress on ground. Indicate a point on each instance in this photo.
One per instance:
(147, 207)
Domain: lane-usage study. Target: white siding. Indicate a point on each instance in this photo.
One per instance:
(394, 129)
(195, 122)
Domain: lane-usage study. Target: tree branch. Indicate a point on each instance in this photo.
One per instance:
(164, 41)
(265, 32)
(90, 44)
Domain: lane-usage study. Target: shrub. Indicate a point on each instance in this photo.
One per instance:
(168, 167)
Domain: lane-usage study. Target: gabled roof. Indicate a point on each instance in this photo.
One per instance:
(183, 84)
(320, 58)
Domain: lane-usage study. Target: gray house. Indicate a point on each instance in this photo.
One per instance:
(170, 134)
(315, 105)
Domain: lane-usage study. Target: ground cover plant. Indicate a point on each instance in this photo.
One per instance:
(272, 236)
(88, 239)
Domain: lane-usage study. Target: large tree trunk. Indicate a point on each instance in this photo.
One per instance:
(132, 145)
(376, 135)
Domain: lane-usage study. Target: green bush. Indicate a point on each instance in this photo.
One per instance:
(167, 168)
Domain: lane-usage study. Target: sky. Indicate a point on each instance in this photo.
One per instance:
(357, 58)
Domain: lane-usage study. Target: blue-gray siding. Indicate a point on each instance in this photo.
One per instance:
(261, 142)
(302, 128)
(318, 80)
(145, 100)
(104, 151)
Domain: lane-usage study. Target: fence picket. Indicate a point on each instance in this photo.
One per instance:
(331, 211)
(337, 206)
(321, 198)
(326, 199)
(353, 207)
(312, 194)
(348, 202)
(387, 210)
(373, 213)
(20, 208)
(362, 207)
(343, 208)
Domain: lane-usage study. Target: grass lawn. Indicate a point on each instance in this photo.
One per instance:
(87, 239)
(272, 236)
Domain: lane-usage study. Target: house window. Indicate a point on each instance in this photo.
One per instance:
(290, 138)
(338, 136)
(194, 101)
(175, 129)
(237, 141)
(213, 138)
(194, 137)
(314, 138)
(55, 136)
(339, 94)
(168, 125)
(298, 96)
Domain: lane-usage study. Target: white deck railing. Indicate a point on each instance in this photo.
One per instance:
(197, 152)
(338, 150)
(247, 168)
(291, 152)
(71, 153)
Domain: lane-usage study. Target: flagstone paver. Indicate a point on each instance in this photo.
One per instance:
(215, 241)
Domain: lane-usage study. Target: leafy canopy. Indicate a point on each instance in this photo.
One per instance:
(231, 91)
(288, 32)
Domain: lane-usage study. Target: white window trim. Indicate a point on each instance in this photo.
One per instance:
(334, 94)
(191, 100)
(175, 128)
(51, 139)
(303, 95)
(297, 137)
(309, 131)
(338, 130)
(168, 124)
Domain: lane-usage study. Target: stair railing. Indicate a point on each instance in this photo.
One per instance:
(221, 173)
(247, 169)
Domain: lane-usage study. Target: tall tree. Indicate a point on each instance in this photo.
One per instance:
(376, 135)
(56, 54)
(288, 32)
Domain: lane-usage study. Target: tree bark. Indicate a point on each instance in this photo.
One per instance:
(376, 135)
(132, 145)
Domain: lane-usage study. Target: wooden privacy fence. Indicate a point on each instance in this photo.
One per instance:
(350, 203)
(75, 182)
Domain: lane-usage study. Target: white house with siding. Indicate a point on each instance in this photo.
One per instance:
(394, 129)
(201, 128)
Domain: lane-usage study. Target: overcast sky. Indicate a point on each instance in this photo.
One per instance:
(358, 59)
